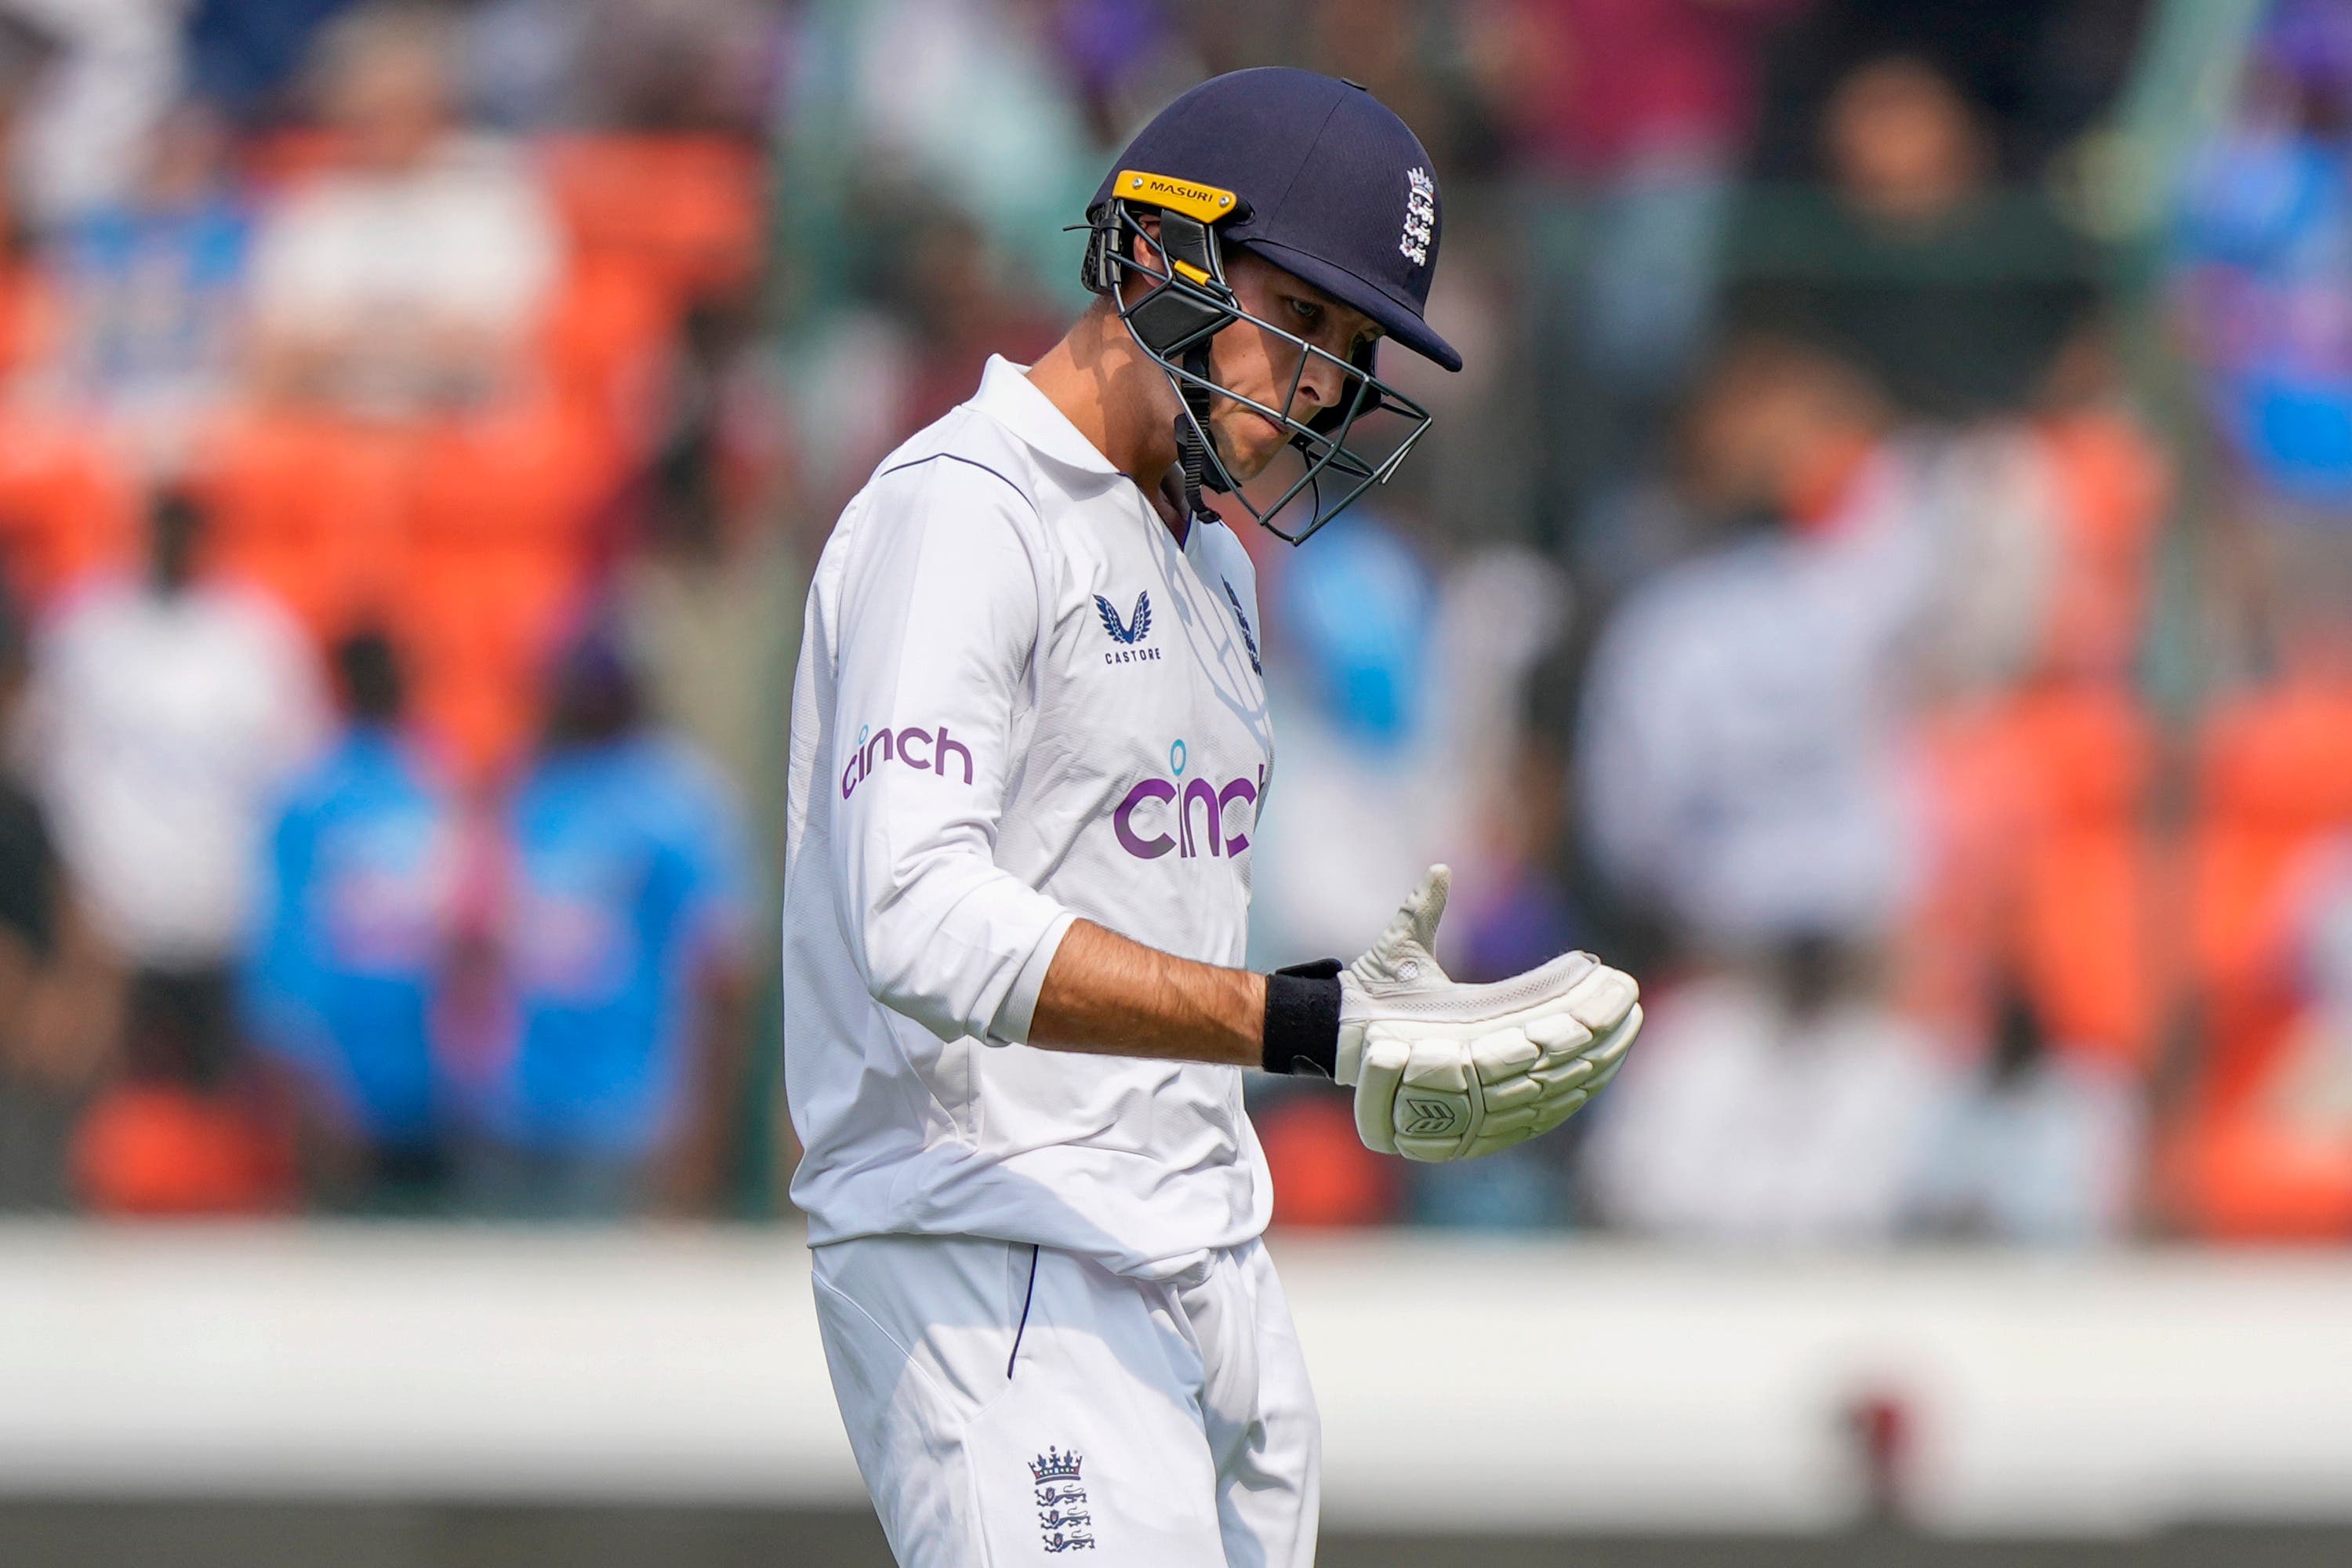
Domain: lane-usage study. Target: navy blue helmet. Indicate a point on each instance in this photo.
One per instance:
(1322, 179)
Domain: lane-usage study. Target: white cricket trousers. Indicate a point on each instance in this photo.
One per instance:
(1014, 1404)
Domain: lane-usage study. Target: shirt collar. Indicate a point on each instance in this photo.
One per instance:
(1008, 396)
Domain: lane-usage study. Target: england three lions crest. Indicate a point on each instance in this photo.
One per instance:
(1420, 217)
(1062, 1522)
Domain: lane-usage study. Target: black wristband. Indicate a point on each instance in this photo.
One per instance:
(1302, 1018)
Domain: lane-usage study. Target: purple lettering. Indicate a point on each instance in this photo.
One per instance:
(886, 745)
(1142, 848)
(940, 755)
(854, 773)
(1240, 789)
(1205, 791)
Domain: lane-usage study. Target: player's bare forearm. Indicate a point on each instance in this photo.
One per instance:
(1106, 996)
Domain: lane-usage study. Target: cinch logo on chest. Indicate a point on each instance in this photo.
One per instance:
(1127, 633)
(877, 746)
(1181, 795)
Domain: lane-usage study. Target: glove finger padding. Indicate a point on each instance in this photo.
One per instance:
(1434, 1091)
(1595, 1068)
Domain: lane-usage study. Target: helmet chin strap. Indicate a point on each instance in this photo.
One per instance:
(1192, 452)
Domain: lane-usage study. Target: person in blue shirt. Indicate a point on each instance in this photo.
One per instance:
(354, 924)
(152, 287)
(622, 941)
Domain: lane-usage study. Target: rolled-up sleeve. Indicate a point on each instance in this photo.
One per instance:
(938, 625)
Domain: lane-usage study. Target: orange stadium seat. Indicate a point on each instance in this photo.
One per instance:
(601, 344)
(2276, 778)
(531, 472)
(2044, 869)
(32, 316)
(480, 621)
(469, 540)
(2085, 878)
(695, 207)
(314, 511)
(499, 552)
(481, 717)
(159, 1149)
(67, 510)
(1324, 1177)
(2276, 782)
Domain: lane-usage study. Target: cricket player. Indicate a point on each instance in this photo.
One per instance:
(1030, 746)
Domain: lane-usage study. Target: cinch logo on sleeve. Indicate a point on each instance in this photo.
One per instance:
(924, 751)
(1154, 806)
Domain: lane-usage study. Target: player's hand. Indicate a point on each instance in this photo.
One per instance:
(1443, 1071)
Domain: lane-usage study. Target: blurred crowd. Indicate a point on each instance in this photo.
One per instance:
(395, 606)
(1900, 609)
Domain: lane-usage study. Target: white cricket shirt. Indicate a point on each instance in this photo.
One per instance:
(1019, 703)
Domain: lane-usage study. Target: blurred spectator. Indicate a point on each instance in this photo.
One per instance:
(59, 995)
(711, 600)
(1646, 104)
(1954, 294)
(2044, 1147)
(1746, 780)
(1409, 56)
(28, 49)
(1396, 690)
(1520, 914)
(1626, 121)
(2266, 1152)
(2264, 272)
(1775, 1101)
(410, 276)
(1364, 797)
(2045, 71)
(1124, 59)
(963, 100)
(2307, 1097)
(107, 71)
(1740, 750)
(2266, 248)
(960, 306)
(28, 54)
(2260, 1153)
(247, 55)
(190, 1127)
(167, 712)
(618, 1093)
(936, 300)
(637, 65)
(152, 292)
(352, 935)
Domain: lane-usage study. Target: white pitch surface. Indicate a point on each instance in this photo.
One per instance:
(1464, 1384)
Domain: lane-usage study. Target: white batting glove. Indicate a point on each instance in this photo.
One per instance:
(1443, 1071)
